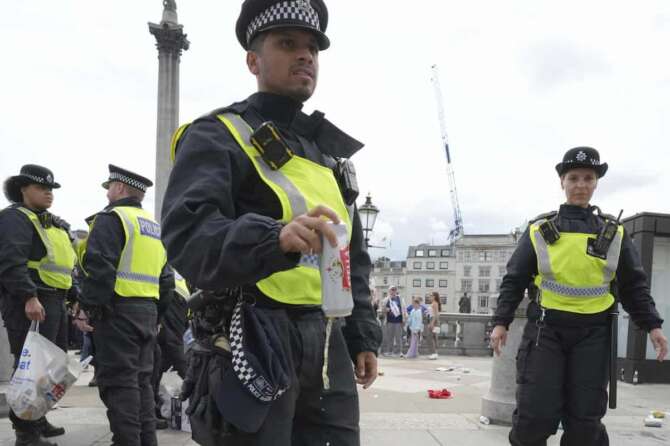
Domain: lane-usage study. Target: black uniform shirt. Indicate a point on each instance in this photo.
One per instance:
(633, 288)
(19, 243)
(103, 253)
(220, 220)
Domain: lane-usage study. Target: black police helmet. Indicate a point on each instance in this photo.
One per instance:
(29, 174)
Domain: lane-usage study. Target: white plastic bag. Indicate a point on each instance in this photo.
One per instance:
(44, 374)
(170, 387)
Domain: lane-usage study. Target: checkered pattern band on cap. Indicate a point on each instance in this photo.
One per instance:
(241, 366)
(34, 178)
(115, 176)
(296, 10)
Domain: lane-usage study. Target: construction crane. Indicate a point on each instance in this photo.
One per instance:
(457, 230)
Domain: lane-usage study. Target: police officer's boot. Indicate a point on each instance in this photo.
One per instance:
(31, 438)
(49, 430)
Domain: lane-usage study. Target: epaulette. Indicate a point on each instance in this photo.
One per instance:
(545, 216)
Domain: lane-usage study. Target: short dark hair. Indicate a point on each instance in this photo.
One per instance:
(257, 43)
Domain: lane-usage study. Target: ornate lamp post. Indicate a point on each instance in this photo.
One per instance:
(368, 213)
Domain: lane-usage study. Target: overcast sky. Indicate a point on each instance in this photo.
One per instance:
(522, 81)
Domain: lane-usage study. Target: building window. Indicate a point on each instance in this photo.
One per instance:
(500, 255)
(432, 253)
(483, 301)
(484, 286)
(443, 299)
(446, 253)
(416, 283)
(484, 271)
(467, 257)
(430, 265)
(386, 280)
(467, 270)
(417, 265)
(430, 283)
(502, 270)
(443, 283)
(419, 253)
(444, 265)
(498, 283)
(385, 295)
(485, 256)
(466, 284)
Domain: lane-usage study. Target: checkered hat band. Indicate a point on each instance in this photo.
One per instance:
(34, 178)
(297, 11)
(244, 371)
(115, 176)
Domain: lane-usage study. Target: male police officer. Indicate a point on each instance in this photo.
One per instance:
(255, 216)
(126, 272)
(36, 263)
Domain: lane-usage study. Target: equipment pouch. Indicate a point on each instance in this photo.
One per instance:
(271, 145)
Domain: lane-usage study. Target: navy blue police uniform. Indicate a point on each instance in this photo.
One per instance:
(217, 206)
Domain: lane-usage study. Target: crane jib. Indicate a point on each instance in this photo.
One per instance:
(446, 148)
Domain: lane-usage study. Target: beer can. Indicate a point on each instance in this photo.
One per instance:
(335, 268)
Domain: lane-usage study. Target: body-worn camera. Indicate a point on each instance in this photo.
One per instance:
(272, 147)
(549, 232)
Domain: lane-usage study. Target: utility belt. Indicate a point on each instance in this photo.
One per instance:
(538, 315)
(121, 300)
(49, 292)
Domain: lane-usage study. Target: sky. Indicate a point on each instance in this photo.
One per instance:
(522, 81)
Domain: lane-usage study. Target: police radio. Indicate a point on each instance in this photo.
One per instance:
(346, 179)
(272, 147)
(599, 246)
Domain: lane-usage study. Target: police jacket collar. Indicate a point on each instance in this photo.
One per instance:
(22, 205)
(129, 201)
(576, 212)
(287, 113)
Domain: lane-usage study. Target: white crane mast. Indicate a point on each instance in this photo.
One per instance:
(457, 230)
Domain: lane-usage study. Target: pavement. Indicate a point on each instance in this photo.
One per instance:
(396, 410)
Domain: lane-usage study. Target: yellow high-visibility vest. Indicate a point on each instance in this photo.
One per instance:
(569, 279)
(55, 268)
(300, 185)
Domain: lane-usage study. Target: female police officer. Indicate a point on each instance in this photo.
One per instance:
(573, 256)
(36, 262)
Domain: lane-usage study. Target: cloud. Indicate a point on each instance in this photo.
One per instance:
(553, 63)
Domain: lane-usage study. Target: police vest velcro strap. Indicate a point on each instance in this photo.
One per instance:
(55, 268)
(566, 290)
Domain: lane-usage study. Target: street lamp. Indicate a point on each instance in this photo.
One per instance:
(368, 213)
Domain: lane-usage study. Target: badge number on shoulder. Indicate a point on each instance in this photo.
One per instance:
(149, 228)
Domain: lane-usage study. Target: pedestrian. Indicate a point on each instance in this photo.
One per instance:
(36, 263)
(127, 284)
(573, 256)
(415, 325)
(395, 315)
(434, 324)
(253, 188)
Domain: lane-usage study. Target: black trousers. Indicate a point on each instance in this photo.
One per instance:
(306, 414)
(54, 328)
(563, 377)
(124, 353)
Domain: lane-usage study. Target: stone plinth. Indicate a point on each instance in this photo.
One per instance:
(499, 403)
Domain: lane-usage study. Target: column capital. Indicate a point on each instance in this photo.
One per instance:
(169, 38)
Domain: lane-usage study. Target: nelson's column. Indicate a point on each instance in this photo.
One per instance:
(170, 42)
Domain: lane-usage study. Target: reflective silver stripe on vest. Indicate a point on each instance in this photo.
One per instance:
(135, 277)
(295, 198)
(542, 251)
(613, 254)
(53, 268)
(566, 290)
(42, 233)
(125, 262)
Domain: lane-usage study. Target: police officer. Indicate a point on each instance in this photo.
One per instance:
(255, 216)
(36, 263)
(573, 256)
(124, 264)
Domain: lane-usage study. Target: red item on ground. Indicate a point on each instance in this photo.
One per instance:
(442, 394)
